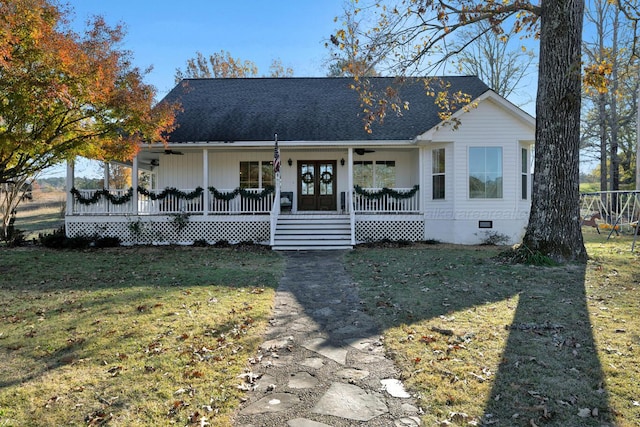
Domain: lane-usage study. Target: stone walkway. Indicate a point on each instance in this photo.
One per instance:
(322, 363)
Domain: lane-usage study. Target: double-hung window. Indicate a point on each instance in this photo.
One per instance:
(437, 174)
(378, 174)
(524, 175)
(256, 174)
(485, 172)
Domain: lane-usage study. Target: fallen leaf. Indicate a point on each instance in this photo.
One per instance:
(584, 412)
(98, 418)
(115, 370)
(52, 400)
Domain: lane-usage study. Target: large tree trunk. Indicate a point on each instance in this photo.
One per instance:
(554, 222)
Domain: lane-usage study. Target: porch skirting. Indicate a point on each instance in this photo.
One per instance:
(372, 228)
(172, 229)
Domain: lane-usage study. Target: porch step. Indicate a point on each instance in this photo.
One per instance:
(312, 232)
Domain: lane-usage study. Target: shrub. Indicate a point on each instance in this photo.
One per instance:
(59, 240)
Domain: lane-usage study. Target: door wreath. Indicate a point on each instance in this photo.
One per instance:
(307, 177)
(326, 177)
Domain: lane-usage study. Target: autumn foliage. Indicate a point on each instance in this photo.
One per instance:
(64, 94)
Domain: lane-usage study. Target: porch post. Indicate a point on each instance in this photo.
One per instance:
(134, 184)
(70, 181)
(205, 181)
(105, 176)
(422, 182)
(352, 214)
(350, 178)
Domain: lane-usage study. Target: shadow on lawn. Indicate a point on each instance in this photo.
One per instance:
(550, 364)
(549, 371)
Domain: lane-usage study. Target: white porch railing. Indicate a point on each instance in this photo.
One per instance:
(169, 204)
(102, 206)
(385, 203)
(148, 204)
(275, 211)
(240, 204)
(371, 202)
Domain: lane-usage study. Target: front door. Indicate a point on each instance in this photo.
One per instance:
(316, 185)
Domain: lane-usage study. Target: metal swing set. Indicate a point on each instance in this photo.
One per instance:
(612, 211)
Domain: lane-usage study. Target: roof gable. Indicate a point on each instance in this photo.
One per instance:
(299, 109)
(504, 105)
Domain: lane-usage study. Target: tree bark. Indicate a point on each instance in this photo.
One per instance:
(554, 222)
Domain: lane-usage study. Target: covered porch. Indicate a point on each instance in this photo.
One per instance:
(212, 194)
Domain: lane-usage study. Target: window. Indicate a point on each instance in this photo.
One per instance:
(437, 173)
(485, 172)
(363, 174)
(378, 174)
(256, 174)
(385, 174)
(268, 177)
(524, 175)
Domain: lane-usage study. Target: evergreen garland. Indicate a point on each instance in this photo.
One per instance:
(97, 195)
(377, 195)
(169, 191)
(242, 192)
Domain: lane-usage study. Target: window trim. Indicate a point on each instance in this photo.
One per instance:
(438, 173)
(374, 174)
(261, 164)
(524, 173)
(500, 190)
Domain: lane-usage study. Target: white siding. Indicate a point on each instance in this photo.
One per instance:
(180, 171)
(488, 125)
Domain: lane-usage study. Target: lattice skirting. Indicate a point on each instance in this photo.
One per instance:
(371, 230)
(165, 230)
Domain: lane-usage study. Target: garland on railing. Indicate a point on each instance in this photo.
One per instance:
(97, 195)
(244, 193)
(169, 191)
(377, 195)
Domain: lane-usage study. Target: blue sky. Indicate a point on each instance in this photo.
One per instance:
(164, 34)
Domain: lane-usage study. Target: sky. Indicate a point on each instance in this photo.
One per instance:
(165, 34)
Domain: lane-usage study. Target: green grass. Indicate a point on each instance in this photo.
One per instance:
(589, 187)
(481, 342)
(156, 336)
(129, 336)
(42, 215)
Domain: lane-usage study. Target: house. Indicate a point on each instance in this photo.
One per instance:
(412, 178)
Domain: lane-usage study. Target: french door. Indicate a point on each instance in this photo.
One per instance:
(317, 185)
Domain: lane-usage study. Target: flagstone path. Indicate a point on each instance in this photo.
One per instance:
(323, 363)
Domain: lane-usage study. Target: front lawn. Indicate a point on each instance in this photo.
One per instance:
(129, 336)
(483, 342)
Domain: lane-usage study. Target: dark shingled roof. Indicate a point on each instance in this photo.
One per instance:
(299, 109)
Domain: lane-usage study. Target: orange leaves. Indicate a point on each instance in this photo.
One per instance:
(66, 94)
(596, 76)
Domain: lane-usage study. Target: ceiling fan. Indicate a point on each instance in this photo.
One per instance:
(362, 151)
(168, 151)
